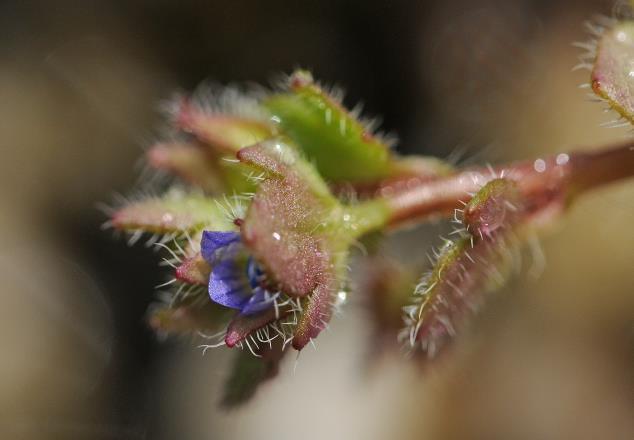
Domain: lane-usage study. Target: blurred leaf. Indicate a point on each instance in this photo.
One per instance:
(194, 270)
(189, 162)
(175, 212)
(387, 287)
(222, 132)
(193, 315)
(249, 372)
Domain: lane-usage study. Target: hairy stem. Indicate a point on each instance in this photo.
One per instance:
(540, 181)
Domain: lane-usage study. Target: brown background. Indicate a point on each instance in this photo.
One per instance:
(80, 84)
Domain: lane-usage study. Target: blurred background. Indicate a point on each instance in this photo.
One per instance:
(491, 80)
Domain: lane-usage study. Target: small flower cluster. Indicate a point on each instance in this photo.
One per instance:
(258, 222)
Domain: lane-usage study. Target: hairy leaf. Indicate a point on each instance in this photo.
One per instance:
(341, 146)
(224, 133)
(194, 270)
(613, 73)
(177, 212)
(303, 241)
(466, 269)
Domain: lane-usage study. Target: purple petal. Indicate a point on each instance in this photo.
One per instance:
(228, 285)
(212, 241)
(258, 302)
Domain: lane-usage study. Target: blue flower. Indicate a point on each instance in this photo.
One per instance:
(236, 280)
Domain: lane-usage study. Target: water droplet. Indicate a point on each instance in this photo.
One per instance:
(342, 295)
(539, 165)
(562, 159)
(167, 217)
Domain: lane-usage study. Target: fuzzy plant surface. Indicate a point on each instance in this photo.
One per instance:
(270, 191)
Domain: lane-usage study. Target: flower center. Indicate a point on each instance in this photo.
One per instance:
(254, 273)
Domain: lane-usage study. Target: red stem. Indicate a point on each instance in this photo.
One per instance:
(540, 181)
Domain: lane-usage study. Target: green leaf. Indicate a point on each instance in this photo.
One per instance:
(341, 147)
